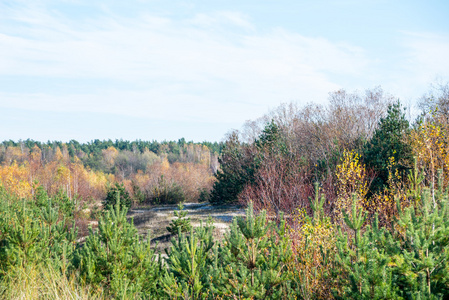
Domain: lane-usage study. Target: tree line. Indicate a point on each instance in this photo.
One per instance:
(92, 153)
(86, 169)
(347, 200)
(278, 158)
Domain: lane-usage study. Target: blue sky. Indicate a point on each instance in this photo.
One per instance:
(196, 69)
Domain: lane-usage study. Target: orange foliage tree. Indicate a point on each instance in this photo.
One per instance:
(54, 173)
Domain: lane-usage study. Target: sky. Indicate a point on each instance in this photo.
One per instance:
(163, 70)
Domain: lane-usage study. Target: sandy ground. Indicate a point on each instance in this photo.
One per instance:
(156, 219)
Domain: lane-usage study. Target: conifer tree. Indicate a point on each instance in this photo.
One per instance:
(115, 192)
(181, 223)
(388, 142)
(407, 261)
(34, 233)
(116, 258)
(423, 266)
(189, 265)
(253, 259)
(237, 168)
(364, 263)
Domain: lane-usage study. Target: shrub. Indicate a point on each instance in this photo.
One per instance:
(114, 192)
(181, 223)
(204, 195)
(167, 192)
(351, 179)
(138, 194)
(313, 241)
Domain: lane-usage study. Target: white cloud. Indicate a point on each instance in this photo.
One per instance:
(220, 19)
(422, 60)
(427, 54)
(211, 67)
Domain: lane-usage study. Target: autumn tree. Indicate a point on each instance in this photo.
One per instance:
(429, 137)
(353, 117)
(435, 104)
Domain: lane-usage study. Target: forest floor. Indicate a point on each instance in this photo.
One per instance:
(156, 219)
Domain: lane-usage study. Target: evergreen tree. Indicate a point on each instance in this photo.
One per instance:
(33, 233)
(239, 162)
(269, 137)
(115, 192)
(363, 261)
(252, 262)
(190, 262)
(407, 261)
(116, 258)
(389, 142)
(237, 168)
(181, 223)
(422, 269)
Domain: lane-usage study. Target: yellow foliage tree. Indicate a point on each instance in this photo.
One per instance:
(109, 156)
(58, 154)
(15, 179)
(165, 165)
(430, 143)
(351, 180)
(54, 175)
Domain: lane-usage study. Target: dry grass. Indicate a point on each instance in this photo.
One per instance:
(44, 282)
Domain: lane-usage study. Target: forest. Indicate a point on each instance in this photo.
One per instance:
(345, 200)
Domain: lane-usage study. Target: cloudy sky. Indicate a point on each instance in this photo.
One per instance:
(162, 70)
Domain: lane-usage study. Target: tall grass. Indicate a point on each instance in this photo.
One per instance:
(44, 282)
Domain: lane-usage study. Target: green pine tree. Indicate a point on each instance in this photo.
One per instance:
(114, 192)
(189, 262)
(408, 260)
(237, 168)
(363, 261)
(116, 258)
(34, 232)
(388, 142)
(181, 223)
(252, 262)
(422, 261)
